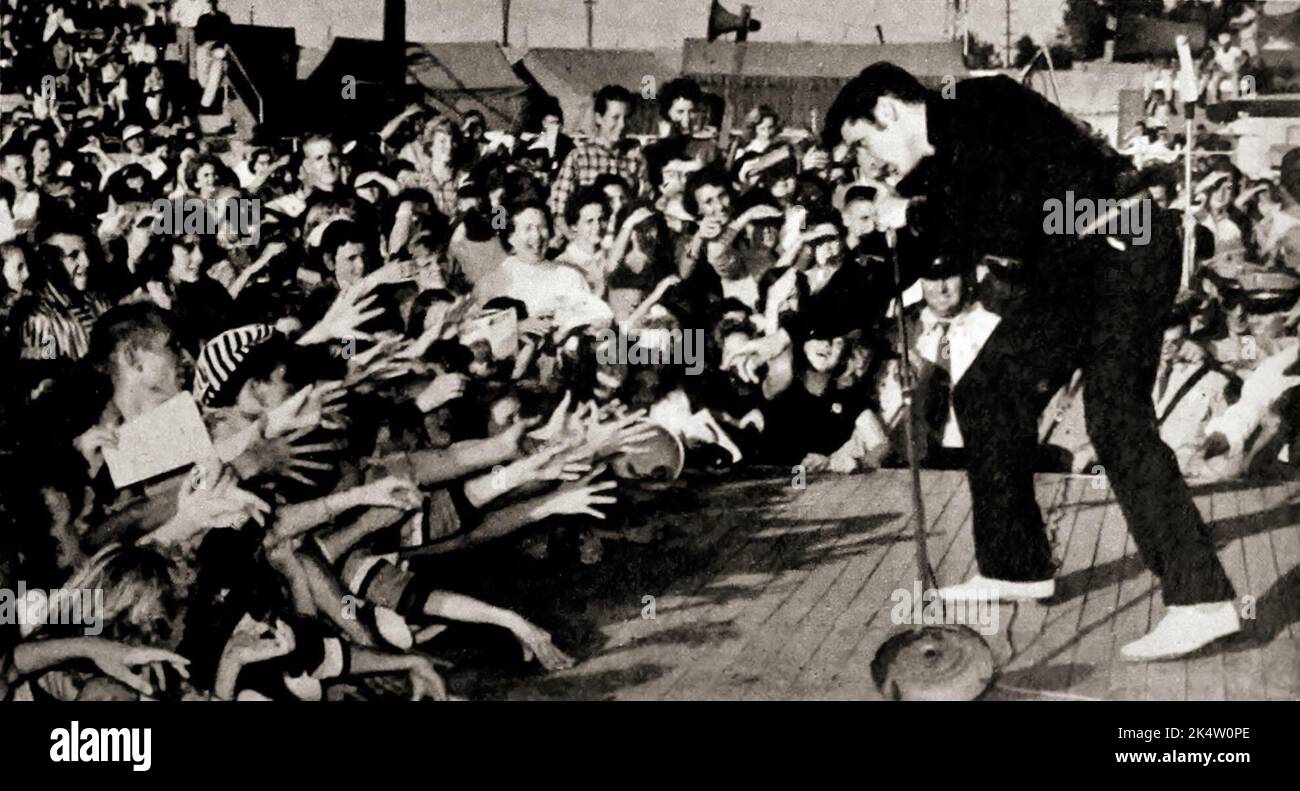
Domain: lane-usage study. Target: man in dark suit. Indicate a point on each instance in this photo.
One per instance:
(980, 172)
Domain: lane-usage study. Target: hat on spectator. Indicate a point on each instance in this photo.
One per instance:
(941, 267)
(130, 131)
(221, 356)
(822, 325)
(1266, 283)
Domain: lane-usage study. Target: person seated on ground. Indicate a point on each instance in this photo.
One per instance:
(760, 250)
(762, 126)
(1190, 390)
(1276, 233)
(826, 418)
(671, 179)
(22, 206)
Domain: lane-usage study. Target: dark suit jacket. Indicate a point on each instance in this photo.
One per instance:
(1001, 152)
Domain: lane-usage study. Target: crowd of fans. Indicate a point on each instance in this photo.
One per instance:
(255, 432)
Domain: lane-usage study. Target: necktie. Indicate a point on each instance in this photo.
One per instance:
(1162, 382)
(939, 392)
(944, 348)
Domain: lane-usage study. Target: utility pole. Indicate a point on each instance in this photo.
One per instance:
(505, 23)
(591, 21)
(1006, 58)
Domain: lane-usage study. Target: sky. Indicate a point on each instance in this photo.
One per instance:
(647, 23)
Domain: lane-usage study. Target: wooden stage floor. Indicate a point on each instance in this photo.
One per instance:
(764, 591)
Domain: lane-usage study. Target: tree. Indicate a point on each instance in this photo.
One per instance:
(980, 54)
(1026, 49)
(1062, 56)
(1084, 28)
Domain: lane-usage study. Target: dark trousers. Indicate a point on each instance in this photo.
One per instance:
(1110, 326)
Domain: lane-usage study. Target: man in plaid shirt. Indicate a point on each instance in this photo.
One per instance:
(603, 152)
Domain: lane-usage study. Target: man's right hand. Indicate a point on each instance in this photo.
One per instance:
(891, 208)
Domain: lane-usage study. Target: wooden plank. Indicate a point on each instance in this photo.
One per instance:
(821, 673)
(1281, 669)
(765, 629)
(682, 606)
(842, 665)
(1060, 626)
(1128, 680)
(1205, 672)
(1024, 632)
(1242, 664)
(1060, 515)
(1094, 654)
(771, 584)
(806, 627)
(1279, 663)
(959, 557)
(1284, 551)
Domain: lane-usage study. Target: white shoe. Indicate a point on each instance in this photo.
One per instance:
(979, 588)
(1183, 630)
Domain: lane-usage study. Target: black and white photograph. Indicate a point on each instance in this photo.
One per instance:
(651, 350)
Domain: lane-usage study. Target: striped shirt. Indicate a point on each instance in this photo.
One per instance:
(59, 328)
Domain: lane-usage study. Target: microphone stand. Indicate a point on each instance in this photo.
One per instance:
(908, 382)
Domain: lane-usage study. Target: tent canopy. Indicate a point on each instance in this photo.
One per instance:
(457, 77)
(800, 80)
(805, 59)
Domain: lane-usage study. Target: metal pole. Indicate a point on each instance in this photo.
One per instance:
(1007, 57)
(1189, 91)
(505, 23)
(591, 22)
(923, 568)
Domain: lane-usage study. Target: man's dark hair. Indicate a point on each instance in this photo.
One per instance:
(857, 99)
(605, 180)
(613, 93)
(340, 233)
(680, 88)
